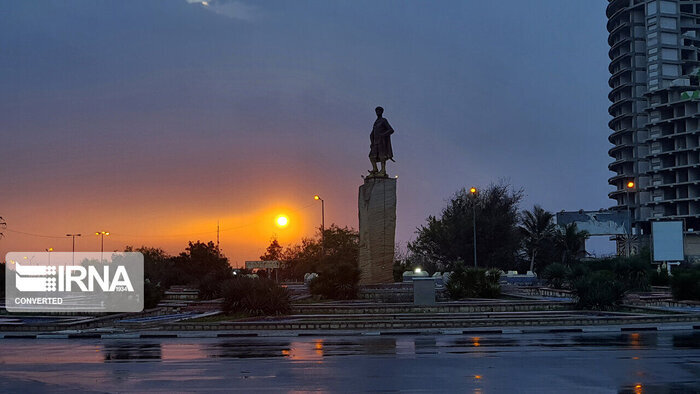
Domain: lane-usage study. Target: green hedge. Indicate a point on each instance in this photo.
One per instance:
(599, 290)
(254, 297)
(473, 283)
(685, 284)
(337, 282)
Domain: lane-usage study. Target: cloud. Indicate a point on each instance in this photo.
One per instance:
(230, 8)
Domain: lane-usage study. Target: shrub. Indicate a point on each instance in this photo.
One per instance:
(685, 284)
(338, 282)
(492, 288)
(152, 294)
(598, 290)
(254, 297)
(658, 278)
(555, 274)
(210, 286)
(397, 270)
(604, 264)
(577, 271)
(473, 283)
(632, 273)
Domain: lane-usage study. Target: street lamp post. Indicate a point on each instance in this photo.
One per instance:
(323, 224)
(49, 250)
(473, 192)
(102, 242)
(630, 187)
(73, 256)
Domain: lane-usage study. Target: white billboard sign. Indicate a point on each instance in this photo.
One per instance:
(667, 241)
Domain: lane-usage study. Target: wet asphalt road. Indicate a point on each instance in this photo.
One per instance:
(634, 362)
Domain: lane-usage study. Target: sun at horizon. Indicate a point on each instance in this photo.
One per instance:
(282, 221)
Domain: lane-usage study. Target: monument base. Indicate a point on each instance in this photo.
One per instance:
(377, 212)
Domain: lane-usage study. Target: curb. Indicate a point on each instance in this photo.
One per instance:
(200, 334)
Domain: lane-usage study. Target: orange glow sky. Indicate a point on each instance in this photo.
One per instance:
(246, 217)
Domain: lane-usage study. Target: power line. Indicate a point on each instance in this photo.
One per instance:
(33, 235)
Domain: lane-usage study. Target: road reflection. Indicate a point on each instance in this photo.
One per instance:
(689, 341)
(632, 362)
(18, 351)
(128, 351)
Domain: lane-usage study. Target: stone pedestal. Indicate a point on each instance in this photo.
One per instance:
(377, 211)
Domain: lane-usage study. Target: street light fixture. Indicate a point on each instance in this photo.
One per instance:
(473, 191)
(73, 256)
(102, 242)
(323, 224)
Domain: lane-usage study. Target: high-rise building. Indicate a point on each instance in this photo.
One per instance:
(655, 99)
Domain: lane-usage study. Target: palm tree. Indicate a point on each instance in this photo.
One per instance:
(570, 242)
(537, 227)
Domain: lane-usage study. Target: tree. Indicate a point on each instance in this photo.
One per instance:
(338, 271)
(200, 258)
(300, 259)
(273, 252)
(336, 263)
(537, 229)
(449, 237)
(158, 267)
(570, 243)
(204, 266)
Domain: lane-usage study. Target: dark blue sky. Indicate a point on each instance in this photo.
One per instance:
(156, 118)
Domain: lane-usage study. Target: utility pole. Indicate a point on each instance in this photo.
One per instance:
(217, 233)
(73, 236)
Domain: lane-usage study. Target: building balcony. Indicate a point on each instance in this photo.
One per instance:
(612, 166)
(618, 118)
(660, 202)
(619, 26)
(618, 133)
(620, 42)
(670, 185)
(672, 168)
(617, 193)
(616, 57)
(618, 89)
(620, 147)
(619, 103)
(614, 179)
(615, 8)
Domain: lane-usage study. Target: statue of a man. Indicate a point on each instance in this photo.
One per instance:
(380, 144)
